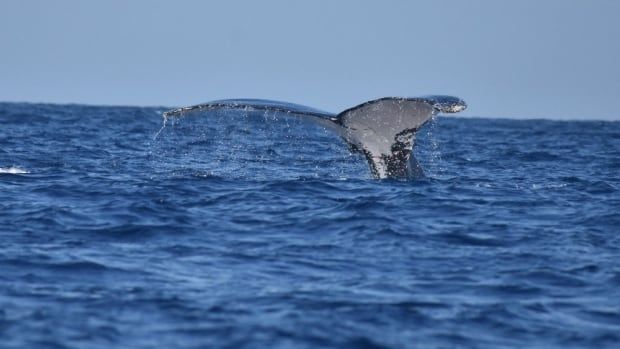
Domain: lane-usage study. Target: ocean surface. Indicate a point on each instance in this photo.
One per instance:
(252, 230)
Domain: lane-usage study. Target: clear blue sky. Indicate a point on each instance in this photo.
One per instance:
(553, 58)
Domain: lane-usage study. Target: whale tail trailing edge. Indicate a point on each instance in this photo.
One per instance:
(383, 129)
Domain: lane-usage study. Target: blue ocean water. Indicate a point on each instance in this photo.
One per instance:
(253, 230)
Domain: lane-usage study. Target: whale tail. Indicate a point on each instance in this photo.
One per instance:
(383, 129)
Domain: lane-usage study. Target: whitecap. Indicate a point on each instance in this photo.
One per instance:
(13, 170)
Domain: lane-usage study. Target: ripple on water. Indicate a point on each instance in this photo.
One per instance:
(249, 232)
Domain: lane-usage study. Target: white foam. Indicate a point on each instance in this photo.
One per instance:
(13, 170)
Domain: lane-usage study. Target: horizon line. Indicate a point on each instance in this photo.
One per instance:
(466, 116)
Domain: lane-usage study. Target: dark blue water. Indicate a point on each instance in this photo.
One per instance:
(253, 230)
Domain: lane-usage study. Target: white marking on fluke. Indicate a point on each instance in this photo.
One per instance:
(382, 129)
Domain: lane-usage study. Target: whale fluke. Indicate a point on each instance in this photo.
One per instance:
(382, 129)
